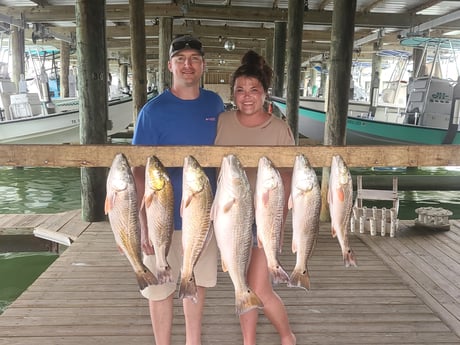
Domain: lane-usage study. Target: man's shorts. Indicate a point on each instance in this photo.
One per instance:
(205, 269)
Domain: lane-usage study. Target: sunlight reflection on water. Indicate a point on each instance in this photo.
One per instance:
(39, 190)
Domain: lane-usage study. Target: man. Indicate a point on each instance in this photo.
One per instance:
(185, 114)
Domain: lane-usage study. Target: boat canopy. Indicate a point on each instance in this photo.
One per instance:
(422, 42)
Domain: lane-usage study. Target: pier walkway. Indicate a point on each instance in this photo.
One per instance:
(406, 290)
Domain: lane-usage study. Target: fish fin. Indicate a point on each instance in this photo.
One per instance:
(299, 278)
(147, 200)
(278, 274)
(120, 249)
(207, 239)
(164, 275)
(349, 258)
(212, 212)
(228, 205)
(145, 278)
(294, 247)
(188, 200)
(265, 198)
(290, 202)
(247, 301)
(259, 243)
(340, 194)
(224, 266)
(187, 288)
(106, 206)
(109, 202)
(334, 234)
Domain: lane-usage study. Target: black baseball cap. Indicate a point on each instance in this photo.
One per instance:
(185, 42)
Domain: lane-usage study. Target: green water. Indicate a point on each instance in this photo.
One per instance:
(39, 190)
(32, 190)
(18, 271)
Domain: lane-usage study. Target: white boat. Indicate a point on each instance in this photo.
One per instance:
(427, 118)
(27, 120)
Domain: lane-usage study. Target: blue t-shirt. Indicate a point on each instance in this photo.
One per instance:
(169, 120)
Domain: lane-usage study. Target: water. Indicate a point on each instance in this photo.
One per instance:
(39, 190)
(410, 199)
(32, 190)
(18, 271)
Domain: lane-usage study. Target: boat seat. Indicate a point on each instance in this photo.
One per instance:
(375, 219)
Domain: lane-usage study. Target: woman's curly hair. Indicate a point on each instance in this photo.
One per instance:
(253, 65)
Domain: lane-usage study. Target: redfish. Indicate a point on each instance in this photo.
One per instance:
(233, 216)
(269, 205)
(340, 199)
(158, 202)
(121, 207)
(305, 203)
(196, 222)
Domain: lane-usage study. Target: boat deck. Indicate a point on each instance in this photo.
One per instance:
(405, 291)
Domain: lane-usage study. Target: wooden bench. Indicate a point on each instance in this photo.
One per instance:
(375, 219)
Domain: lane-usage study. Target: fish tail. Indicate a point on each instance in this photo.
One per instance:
(278, 274)
(146, 278)
(247, 301)
(299, 278)
(164, 275)
(349, 258)
(187, 288)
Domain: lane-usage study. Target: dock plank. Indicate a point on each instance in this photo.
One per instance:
(428, 261)
(90, 295)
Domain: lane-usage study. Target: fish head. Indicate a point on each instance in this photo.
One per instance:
(194, 176)
(119, 173)
(156, 174)
(268, 177)
(340, 170)
(303, 176)
(232, 172)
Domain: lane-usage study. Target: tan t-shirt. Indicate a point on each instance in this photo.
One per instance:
(274, 132)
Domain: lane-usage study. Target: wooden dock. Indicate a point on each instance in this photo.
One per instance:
(406, 290)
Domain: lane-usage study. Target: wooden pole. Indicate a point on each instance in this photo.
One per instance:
(92, 85)
(341, 54)
(18, 50)
(124, 76)
(138, 51)
(279, 57)
(269, 51)
(64, 70)
(165, 38)
(295, 30)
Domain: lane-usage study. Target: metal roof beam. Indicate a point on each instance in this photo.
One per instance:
(432, 23)
(237, 13)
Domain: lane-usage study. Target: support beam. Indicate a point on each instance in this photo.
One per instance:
(296, 10)
(92, 86)
(138, 51)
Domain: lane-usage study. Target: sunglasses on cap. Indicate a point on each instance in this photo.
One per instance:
(185, 43)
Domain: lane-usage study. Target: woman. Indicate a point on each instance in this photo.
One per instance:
(250, 124)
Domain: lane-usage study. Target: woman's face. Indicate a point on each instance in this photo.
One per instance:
(249, 95)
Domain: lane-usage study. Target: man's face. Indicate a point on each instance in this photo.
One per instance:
(187, 67)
